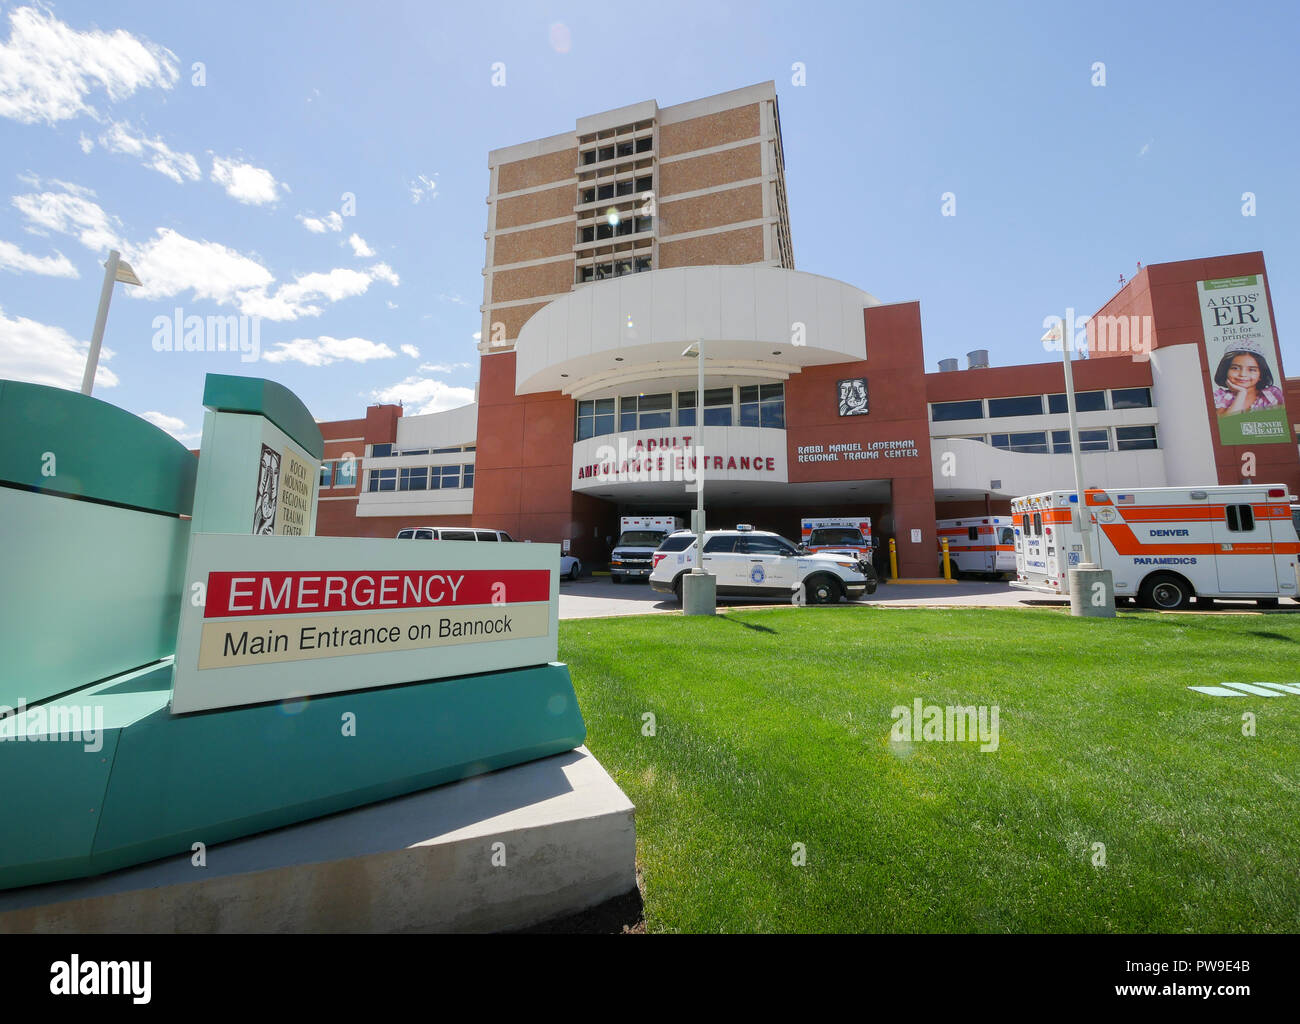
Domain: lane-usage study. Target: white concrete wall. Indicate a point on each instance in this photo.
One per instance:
(457, 426)
(741, 314)
(1178, 390)
(975, 465)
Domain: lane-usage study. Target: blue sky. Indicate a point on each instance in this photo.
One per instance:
(212, 189)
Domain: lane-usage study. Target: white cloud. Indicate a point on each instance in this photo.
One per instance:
(290, 301)
(359, 247)
(456, 299)
(245, 182)
(383, 272)
(71, 211)
(1146, 148)
(423, 186)
(332, 221)
(391, 303)
(47, 69)
(429, 395)
(13, 258)
(442, 367)
(155, 153)
(42, 354)
(325, 350)
(85, 143)
(170, 263)
(172, 424)
(411, 351)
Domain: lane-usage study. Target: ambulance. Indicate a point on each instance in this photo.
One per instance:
(980, 544)
(847, 534)
(638, 536)
(1165, 545)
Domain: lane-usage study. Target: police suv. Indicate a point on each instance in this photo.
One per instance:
(755, 563)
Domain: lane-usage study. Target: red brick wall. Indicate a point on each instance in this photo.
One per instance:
(896, 392)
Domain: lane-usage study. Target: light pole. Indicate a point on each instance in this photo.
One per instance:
(699, 587)
(1092, 588)
(116, 269)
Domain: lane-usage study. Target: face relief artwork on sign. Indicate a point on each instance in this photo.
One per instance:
(268, 492)
(1242, 355)
(297, 489)
(853, 396)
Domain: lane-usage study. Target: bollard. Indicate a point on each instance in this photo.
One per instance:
(947, 566)
(893, 559)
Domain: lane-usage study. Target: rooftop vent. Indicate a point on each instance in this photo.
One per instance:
(947, 365)
(977, 360)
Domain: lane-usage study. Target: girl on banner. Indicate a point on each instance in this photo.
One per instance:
(1244, 382)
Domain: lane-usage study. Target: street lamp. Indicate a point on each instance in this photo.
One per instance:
(116, 269)
(699, 587)
(1092, 588)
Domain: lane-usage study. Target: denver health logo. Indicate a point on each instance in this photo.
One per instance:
(1249, 689)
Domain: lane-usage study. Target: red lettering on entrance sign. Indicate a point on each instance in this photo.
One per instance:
(771, 464)
(327, 590)
(744, 462)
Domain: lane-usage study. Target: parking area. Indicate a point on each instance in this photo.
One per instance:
(596, 597)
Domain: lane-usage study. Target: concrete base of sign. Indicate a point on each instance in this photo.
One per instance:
(1092, 592)
(700, 593)
(495, 852)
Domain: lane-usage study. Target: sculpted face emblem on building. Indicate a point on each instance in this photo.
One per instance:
(853, 396)
(268, 492)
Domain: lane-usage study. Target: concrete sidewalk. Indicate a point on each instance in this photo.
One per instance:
(598, 598)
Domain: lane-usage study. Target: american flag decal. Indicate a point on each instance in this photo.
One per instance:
(1124, 499)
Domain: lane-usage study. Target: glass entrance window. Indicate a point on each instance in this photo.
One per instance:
(1089, 441)
(762, 405)
(595, 418)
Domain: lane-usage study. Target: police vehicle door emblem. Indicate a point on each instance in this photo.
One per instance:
(757, 574)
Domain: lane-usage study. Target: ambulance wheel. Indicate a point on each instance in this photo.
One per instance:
(1266, 602)
(1166, 593)
(822, 590)
(575, 571)
(677, 588)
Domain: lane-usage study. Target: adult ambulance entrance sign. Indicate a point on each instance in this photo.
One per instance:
(287, 617)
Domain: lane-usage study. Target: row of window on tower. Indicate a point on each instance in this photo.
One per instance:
(752, 405)
(619, 189)
(1032, 405)
(619, 149)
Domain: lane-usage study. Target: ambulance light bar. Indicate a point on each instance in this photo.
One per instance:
(1277, 492)
(744, 527)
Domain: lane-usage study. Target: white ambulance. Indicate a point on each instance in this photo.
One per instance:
(638, 537)
(847, 534)
(979, 544)
(1165, 545)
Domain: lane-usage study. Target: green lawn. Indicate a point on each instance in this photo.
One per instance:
(773, 728)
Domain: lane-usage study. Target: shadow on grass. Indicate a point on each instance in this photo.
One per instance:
(748, 625)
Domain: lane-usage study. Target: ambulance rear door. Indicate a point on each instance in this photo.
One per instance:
(1243, 544)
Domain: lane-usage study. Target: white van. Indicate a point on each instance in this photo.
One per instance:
(453, 533)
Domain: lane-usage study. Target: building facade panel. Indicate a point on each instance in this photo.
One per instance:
(536, 243)
(710, 130)
(712, 210)
(516, 211)
(711, 170)
(537, 170)
(526, 282)
(745, 245)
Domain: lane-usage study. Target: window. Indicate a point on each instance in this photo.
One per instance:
(645, 184)
(677, 542)
(644, 224)
(383, 480)
(1131, 398)
(1084, 401)
(588, 195)
(625, 148)
(1029, 405)
(506, 537)
(467, 477)
(457, 535)
(1089, 441)
(1038, 524)
(595, 418)
(642, 262)
(717, 407)
(381, 451)
(941, 411)
(721, 545)
(762, 405)
(414, 479)
(605, 192)
(444, 477)
(486, 535)
(643, 145)
(345, 473)
(645, 412)
(972, 533)
(1241, 518)
(758, 545)
(1006, 536)
(587, 235)
(444, 451)
(1132, 439)
(589, 157)
(326, 472)
(624, 188)
(419, 451)
(1030, 443)
(605, 153)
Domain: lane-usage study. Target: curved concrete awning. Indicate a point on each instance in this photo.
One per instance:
(754, 321)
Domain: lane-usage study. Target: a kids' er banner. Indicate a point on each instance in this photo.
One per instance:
(1242, 353)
